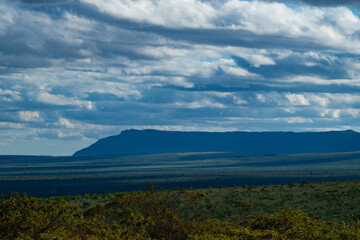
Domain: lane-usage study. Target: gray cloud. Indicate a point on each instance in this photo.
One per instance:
(80, 70)
(322, 3)
(47, 2)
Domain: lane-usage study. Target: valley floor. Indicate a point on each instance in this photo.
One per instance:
(43, 176)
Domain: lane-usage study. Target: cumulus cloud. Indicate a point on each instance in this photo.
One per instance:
(310, 23)
(172, 13)
(239, 100)
(65, 123)
(9, 95)
(29, 116)
(297, 99)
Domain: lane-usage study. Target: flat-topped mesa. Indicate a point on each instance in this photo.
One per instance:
(155, 141)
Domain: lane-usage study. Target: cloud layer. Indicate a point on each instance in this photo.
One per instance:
(76, 70)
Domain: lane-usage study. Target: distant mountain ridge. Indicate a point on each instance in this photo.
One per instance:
(155, 141)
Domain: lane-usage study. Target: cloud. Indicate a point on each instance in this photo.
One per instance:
(45, 97)
(81, 70)
(205, 103)
(29, 116)
(44, 1)
(9, 95)
(170, 13)
(65, 123)
(236, 23)
(238, 100)
(322, 3)
(10, 125)
(297, 99)
(294, 120)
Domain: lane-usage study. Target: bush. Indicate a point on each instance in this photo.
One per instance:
(155, 215)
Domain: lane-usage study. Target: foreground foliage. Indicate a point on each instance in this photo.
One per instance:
(337, 201)
(156, 215)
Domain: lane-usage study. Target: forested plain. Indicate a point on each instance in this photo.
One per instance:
(328, 210)
(200, 196)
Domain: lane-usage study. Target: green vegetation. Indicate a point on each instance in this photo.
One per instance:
(156, 214)
(337, 201)
(307, 210)
(329, 201)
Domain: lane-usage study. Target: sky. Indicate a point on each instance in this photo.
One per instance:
(74, 71)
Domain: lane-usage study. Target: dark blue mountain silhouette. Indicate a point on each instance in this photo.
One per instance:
(154, 141)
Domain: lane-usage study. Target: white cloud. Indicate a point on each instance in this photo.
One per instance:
(333, 113)
(336, 113)
(69, 135)
(344, 98)
(297, 99)
(259, 60)
(6, 18)
(238, 100)
(9, 95)
(30, 116)
(173, 13)
(219, 94)
(294, 120)
(329, 27)
(11, 125)
(205, 103)
(48, 98)
(323, 56)
(318, 100)
(353, 112)
(260, 97)
(343, 113)
(65, 123)
(229, 66)
(318, 80)
(344, 19)
(76, 23)
(254, 16)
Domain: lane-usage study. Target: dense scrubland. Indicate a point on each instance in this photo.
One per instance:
(329, 210)
(254, 209)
